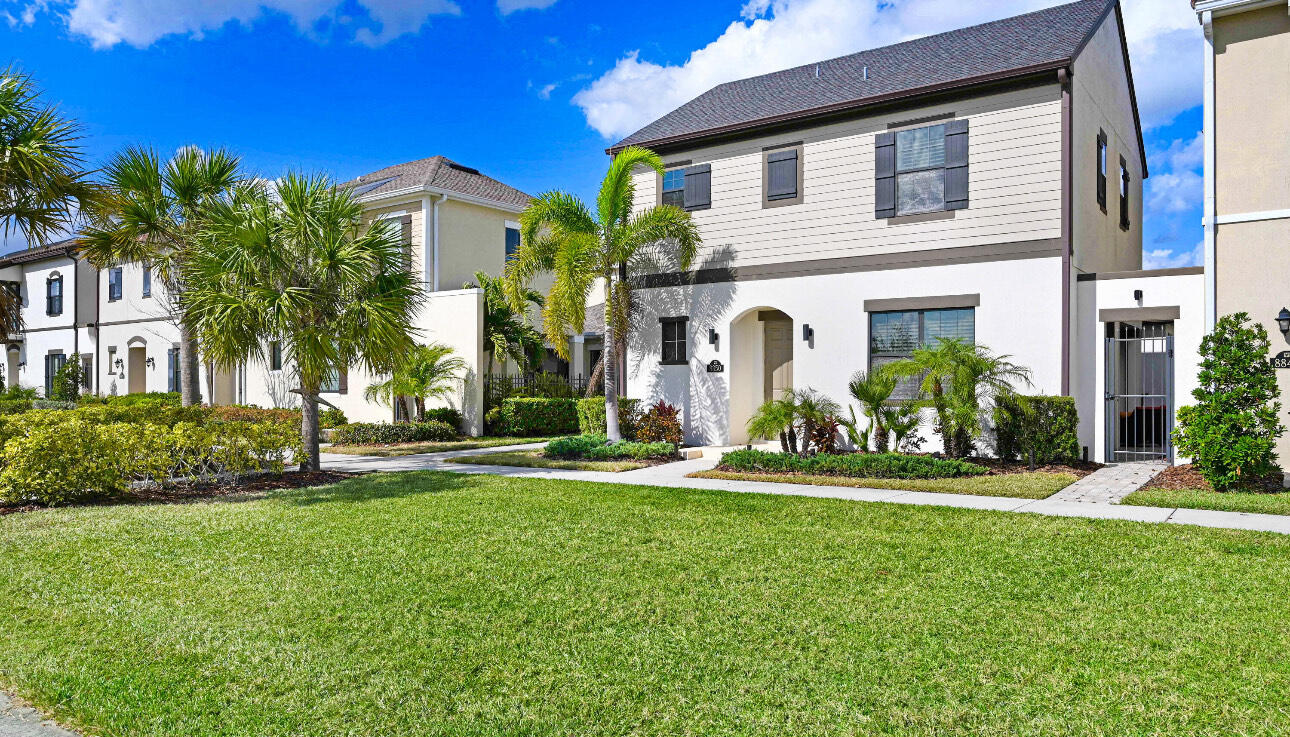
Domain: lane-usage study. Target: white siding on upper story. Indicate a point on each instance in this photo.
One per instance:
(1014, 186)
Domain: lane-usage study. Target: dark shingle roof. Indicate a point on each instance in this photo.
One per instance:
(440, 173)
(60, 249)
(1011, 47)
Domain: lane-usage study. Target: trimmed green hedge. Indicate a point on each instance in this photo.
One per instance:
(1048, 427)
(132, 399)
(446, 415)
(384, 433)
(591, 416)
(856, 465)
(530, 416)
(596, 448)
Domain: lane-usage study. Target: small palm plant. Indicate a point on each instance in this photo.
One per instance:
(871, 391)
(426, 372)
(507, 331)
(772, 419)
(814, 410)
(560, 235)
(302, 268)
(958, 380)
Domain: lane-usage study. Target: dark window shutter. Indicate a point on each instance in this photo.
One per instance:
(956, 165)
(781, 174)
(698, 186)
(170, 370)
(884, 175)
(405, 224)
(1101, 170)
(343, 381)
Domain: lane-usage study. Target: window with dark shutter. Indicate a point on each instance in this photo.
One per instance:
(275, 356)
(1101, 170)
(884, 172)
(674, 340)
(698, 187)
(54, 295)
(172, 369)
(512, 242)
(781, 174)
(342, 381)
(147, 279)
(674, 188)
(956, 165)
(405, 234)
(114, 284)
(1124, 194)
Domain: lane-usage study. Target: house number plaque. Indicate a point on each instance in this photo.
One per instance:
(716, 367)
(1281, 360)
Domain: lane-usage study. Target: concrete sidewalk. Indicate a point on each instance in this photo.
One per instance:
(1094, 498)
(23, 721)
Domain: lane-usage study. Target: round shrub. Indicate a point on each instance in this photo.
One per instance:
(446, 415)
(331, 417)
(384, 433)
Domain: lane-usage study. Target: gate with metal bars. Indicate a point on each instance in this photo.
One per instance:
(1139, 391)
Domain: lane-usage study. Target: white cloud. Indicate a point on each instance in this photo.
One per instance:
(545, 92)
(1162, 258)
(1163, 36)
(1175, 191)
(506, 7)
(139, 23)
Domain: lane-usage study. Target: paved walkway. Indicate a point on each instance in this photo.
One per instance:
(23, 721)
(1095, 497)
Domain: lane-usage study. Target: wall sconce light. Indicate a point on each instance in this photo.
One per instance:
(119, 364)
(22, 364)
(808, 333)
(1283, 320)
(1137, 295)
(150, 362)
(712, 336)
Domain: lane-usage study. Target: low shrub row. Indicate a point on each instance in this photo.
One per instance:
(243, 413)
(596, 448)
(446, 415)
(1039, 427)
(132, 399)
(384, 433)
(527, 417)
(858, 465)
(59, 457)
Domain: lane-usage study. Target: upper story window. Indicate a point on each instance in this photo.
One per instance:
(336, 381)
(921, 170)
(782, 176)
(512, 241)
(893, 336)
(147, 280)
(689, 188)
(54, 295)
(114, 283)
(674, 339)
(1124, 193)
(1101, 170)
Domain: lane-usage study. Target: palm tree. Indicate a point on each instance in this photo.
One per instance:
(43, 184)
(871, 391)
(959, 378)
(301, 268)
(559, 234)
(506, 329)
(775, 418)
(155, 214)
(427, 372)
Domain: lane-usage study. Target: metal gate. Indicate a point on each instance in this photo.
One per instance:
(1139, 391)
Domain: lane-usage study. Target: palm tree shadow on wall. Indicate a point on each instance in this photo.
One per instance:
(703, 397)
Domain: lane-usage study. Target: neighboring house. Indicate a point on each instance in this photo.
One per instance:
(983, 184)
(1247, 192)
(455, 221)
(48, 280)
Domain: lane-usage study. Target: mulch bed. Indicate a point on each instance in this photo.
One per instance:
(200, 491)
(1186, 476)
(1078, 469)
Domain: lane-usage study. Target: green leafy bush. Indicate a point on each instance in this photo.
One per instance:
(1231, 432)
(529, 416)
(331, 417)
(384, 433)
(1038, 429)
(20, 392)
(597, 448)
(52, 404)
(14, 406)
(246, 413)
(857, 465)
(661, 424)
(446, 415)
(54, 457)
(66, 385)
(148, 398)
(166, 415)
(591, 416)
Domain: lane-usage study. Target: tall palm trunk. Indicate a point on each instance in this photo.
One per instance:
(309, 460)
(610, 359)
(189, 381)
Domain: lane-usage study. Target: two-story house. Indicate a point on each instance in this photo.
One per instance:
(965, 185)
(53, 285)
(1246, 188)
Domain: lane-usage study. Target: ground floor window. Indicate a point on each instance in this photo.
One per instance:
(53, 364)
(674, 334)
(172, 370)
(893, 336)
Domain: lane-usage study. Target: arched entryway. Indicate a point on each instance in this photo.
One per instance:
(761, 364)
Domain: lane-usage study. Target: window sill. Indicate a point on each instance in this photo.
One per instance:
(922, 217)
(674, 363)
(697, 207)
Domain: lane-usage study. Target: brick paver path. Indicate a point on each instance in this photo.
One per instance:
(1110, 484)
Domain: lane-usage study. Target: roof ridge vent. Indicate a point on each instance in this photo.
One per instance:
(866, 72)
(460, 167)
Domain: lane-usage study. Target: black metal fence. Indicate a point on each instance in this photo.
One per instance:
(498, 387)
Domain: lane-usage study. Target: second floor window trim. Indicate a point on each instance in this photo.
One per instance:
(54, 295)
(686, 186)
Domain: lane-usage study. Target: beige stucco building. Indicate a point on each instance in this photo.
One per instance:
(1247, 155)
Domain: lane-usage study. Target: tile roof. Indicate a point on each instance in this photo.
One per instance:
(440, 173)
(59, 249)
(1010, 47)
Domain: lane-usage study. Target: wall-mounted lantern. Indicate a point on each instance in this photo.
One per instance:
(808, 333)
(712, 336)
(1137, 295)
(119, 364)
(1283, 320)
(150, 362)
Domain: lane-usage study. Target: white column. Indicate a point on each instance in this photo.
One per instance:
(1210, 197)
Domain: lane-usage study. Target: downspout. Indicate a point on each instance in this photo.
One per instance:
(76, 329)
(98, 342)
(1064, 79)
(1210, 197)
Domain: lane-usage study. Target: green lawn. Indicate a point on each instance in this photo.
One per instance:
(406, 449)
(1228, 501)
(535, 459)
(439, 603)
(1019, 485)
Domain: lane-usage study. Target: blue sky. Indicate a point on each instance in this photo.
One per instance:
(528, 91)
